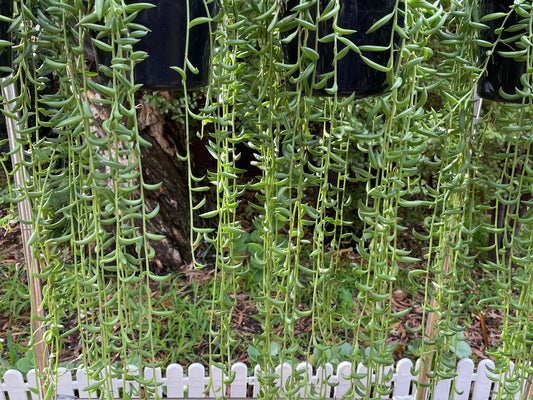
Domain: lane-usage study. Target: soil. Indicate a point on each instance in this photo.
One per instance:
(10, 242)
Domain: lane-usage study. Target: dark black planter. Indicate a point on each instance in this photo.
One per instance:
(6, 9)
(166, 45)
(502, 73)
(353, 74)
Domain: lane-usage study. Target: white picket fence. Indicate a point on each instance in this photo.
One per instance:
(469, 384)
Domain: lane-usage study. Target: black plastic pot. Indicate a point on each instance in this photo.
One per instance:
(6, 9)
(166, 45)
(502, 73)
(353, 74)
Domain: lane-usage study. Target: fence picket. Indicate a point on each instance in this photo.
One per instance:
(284, 371)
(174, 381)
(403, 379)
(483, 385)
(33, 385)
(196, 381)
(386, 377)
(217, 388)
(82, 382)
(442, 389)
(238, 387)
(496, 387)
(305, 379)
(116, 383)
(65, 385)
(470, 382)
(15, 386)
(155, 374)
(360, 386)
(129, 386)
(257, 371)
(463, 380)
(324, 380)
(344, 370)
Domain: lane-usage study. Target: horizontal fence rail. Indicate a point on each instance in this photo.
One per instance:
(469, 383)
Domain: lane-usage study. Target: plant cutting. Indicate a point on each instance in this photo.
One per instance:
(502, 56)
(353, 51)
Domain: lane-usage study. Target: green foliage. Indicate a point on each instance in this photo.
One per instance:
(334, 355)
(82, 177)
(424, 191)
(177, 107)
(13, 292)
(337, 171)
(182, 326)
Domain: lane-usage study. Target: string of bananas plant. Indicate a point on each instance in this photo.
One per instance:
(79, 137)
(421, 150)
(421, 154)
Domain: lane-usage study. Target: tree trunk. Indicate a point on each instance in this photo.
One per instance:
(167, 136)
(160, 164)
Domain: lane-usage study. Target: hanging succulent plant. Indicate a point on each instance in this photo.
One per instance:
(420, 149)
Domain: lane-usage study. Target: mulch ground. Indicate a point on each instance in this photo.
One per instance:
(10, 242)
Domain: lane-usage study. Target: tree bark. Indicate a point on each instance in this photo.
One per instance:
(160, 164)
